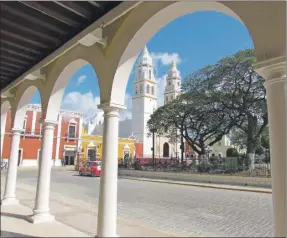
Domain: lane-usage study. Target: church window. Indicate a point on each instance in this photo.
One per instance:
(149, 74)
(147, 88)
(139, 73)
(141, 89)
(177, 83)
(166, 98)
(136, 90)
(171, 97)
(169, 83)
(152, 90)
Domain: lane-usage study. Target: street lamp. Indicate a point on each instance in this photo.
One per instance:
(153, 131)
(181, 142)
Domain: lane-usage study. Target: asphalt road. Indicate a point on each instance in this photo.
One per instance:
(174, 208)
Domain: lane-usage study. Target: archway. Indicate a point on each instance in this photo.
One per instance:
(165, 149)
(27, 117)
(149, 18)
(5, 107)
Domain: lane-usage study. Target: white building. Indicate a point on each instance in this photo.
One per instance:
(144, 103)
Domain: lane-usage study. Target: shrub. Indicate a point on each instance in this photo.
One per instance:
(259, 151)
(232, 152)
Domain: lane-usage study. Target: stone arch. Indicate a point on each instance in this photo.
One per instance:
(5, 105)
(165, 149)
(140, 25)
(59, 74)
(20, 105)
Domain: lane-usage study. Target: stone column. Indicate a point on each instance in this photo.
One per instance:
(107, 212)
(41, 212)
(274, 73)
(9, 197)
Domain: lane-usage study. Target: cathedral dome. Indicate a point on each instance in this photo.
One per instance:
(173, 72)
(145, 58)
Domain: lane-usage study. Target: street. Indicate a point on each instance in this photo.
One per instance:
(176, 209)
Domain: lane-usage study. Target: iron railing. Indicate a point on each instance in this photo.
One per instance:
(232, 166)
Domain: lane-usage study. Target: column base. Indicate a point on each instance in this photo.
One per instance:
(9, 201)
(40, 218)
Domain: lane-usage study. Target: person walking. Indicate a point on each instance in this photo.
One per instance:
(63, 162)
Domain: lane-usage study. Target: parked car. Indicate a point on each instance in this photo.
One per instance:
(92, 168)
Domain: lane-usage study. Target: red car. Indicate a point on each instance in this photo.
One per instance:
(93, 168)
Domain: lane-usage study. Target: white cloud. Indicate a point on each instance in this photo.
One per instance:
(165, 58)
(88, 105)
(81, 79)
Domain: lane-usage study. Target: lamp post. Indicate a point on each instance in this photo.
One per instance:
(153, 131)
(181, 143)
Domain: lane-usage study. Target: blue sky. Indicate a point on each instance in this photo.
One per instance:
(193, 40)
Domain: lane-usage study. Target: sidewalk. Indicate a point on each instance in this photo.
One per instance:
(33, 168)
(75, 218)
(13, 224)
(204, 185)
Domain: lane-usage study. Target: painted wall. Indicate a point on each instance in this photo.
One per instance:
(95, 141)
(30, 141)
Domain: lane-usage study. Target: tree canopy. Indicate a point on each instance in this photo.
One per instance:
(215, 100)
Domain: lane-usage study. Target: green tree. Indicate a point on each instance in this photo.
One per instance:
(234, 85)
(202, 121)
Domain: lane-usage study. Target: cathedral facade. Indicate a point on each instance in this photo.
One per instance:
(144, 103)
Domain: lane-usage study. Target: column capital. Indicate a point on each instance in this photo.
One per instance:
(17, 131)
(272, 70)
(47, 123)
(111, 107)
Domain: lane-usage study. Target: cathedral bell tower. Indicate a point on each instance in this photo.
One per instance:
(144, 101)
(173, 84)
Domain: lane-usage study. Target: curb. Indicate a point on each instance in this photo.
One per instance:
(223, 187)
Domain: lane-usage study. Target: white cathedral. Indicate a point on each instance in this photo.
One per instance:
(144, 103)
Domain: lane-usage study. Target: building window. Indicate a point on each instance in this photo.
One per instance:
(92, 154)
(219, 143)
(149, 74)
(147, 88)
(136, 90)
(177, 83)
(24, 125)
(141, 88)
(152, 90)
(171, 97)
(166, 98)
(169, 83)
(72, 131)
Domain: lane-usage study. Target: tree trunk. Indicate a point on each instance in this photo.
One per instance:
(252, 140)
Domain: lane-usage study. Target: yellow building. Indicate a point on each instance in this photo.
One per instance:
(221, 146)
(91, 147)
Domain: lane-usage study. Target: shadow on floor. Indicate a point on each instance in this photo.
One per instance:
(6, 214)
(13, 234)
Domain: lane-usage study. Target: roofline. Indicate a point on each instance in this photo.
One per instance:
(105, 20)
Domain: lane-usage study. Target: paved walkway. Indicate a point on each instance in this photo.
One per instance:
(153, 209)
(75, 218)
(14, 224)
